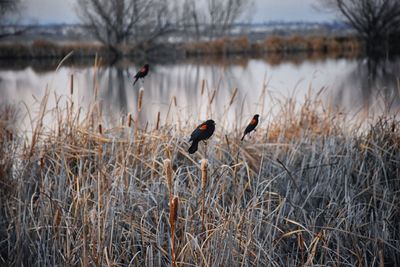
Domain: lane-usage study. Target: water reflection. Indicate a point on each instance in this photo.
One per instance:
(352, 85)
(374, 85)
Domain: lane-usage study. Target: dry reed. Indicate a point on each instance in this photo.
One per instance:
(158, 120)
(233, 96)
(173, 219)
(204, 165)
(72, 85)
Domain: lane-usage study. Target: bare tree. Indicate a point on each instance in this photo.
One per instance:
(8, 18)
(117, 22)
(7, 6)
(375, 20)
(214, 18)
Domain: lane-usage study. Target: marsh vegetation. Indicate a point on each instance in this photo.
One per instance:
(312, 186)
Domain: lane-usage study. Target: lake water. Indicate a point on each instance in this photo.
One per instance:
(349, 85)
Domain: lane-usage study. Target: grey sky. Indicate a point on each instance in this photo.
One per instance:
(62, 11)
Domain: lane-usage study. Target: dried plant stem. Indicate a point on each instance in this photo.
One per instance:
(158, 121)
(173, 217)
(72, 85)
(174, 101)
(233, 96)
(203, 85)
(173, 204)
(204, 165)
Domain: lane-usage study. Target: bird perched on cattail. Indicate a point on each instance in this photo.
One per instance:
(141, 73)
(202, 132)
(252, 126)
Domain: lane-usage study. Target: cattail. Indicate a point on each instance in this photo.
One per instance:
(72, 84)
(158, 121)
(168, 173)
(129, 120)
(100, 129)
(173, 218)
(140, 100)
(204, 164)
(57, 218)
(174, 100)
(203, 85)
(233, 96)
(174, 211)
(212, 96)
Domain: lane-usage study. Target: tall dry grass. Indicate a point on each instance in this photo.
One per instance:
(307, 189)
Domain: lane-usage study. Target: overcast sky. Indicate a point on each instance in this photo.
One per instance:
(62, 11)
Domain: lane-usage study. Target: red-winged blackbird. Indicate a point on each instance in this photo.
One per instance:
(252, 125)
(141, 73)
(202, 132)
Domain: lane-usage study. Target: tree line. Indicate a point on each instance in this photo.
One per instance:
(117, 23)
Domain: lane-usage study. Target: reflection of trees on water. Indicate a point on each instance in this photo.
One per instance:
(362, 86)
(112, 82)
(163, 83)
(371, 80)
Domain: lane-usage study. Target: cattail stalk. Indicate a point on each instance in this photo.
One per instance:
(174, 100)
(158, 121)
(72, 85)
(129, 121)
(203, 85)
(233, 96)
(212, 97)
(173, 218)
(140, 100)
(204, 164)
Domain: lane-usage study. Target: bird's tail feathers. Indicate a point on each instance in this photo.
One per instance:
(243, 137)
(193, 147)
(135, 81)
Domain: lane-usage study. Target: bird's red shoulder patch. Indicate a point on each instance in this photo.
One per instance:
(203, 127)
(143, 70)
(253, 122)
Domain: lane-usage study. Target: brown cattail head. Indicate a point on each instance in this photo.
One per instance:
(72, 84)
(174, 100)
(174, 211)
(100, 129)
(10, 136)
(57, 218)
(203, 85)
(140, 100)
(158, 121)
(129, 120)
(212, 96)
(168, 173)
(204, 164)
(233, 96)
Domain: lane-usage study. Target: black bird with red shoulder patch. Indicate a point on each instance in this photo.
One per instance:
(202, 132)
(141, 73)
(252, 126)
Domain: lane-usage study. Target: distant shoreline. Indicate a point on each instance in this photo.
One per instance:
(338, 46)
